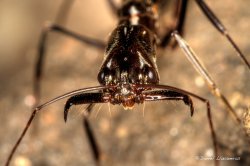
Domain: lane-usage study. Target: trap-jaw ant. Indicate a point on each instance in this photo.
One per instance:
(129, 73)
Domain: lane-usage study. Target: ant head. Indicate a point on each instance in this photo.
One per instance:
(130, 57)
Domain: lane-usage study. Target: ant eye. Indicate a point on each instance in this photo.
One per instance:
(107, 76)
(101, 77)
(145, 75)
(150, 75)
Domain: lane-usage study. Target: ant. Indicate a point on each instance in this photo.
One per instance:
(120, 80)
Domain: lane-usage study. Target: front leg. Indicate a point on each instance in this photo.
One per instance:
(42, 48)
(179, 18)
(221, 28)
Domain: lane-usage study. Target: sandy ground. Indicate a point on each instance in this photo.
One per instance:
(165, 135)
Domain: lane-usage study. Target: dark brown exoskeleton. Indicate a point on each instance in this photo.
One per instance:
(129, 73)
(130, 56)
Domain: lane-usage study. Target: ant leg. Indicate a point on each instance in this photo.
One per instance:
(197, 64)
(179, 94)
(42, 45)
(91, 137)
(41, 53)
(60, 19)
(55, 27)
(179, 16)
(221, 28)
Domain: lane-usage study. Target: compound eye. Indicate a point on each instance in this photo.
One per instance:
(107, 76)
(150, 75)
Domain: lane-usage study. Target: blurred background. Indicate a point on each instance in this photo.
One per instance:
(165, 135)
